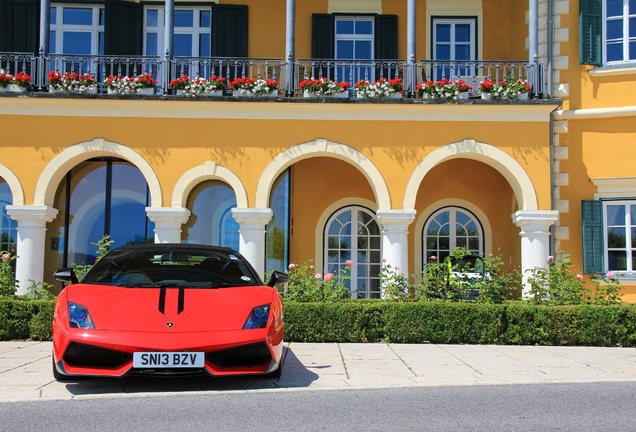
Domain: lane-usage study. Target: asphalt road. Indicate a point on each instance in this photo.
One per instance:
(545, 407)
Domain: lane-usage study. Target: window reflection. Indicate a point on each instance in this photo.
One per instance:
(8, 226)
(277, 230)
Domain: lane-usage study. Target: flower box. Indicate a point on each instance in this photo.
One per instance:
(17, 83)
(192, 87)
(143, 84)
(324, 88)
(380, 89)
(443, 90)
(13, 88)
(71, 82)
(254, 87)
(509, 89)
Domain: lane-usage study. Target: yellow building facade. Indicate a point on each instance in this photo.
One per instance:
(286, 178)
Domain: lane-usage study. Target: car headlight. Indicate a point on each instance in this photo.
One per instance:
(79, 317)
(258, 318)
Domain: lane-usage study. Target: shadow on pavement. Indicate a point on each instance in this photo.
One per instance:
(294, 375)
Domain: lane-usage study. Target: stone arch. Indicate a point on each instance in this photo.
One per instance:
(208, 171)
(17, 192)
(67, 159)
(322, 147)
(505, 164)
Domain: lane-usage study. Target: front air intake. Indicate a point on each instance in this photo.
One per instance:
(243, 356)
(82, 355)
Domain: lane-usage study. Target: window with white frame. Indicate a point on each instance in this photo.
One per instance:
(619, 17)
(192, 30)
(354, 41)
(453, 39)
(449, 228)
(352, 233)
(619, 220)
(76, 29)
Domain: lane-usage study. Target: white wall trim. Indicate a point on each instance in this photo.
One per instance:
(207, 171)
(17, 192)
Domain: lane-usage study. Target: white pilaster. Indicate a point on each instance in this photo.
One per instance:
(252, 223)
(32, 222)
(168, 221)
(535, 240)
(395, 232)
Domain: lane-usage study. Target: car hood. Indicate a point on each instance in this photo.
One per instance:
(140, 309)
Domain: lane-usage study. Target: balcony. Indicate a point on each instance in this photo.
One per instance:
(289, 75)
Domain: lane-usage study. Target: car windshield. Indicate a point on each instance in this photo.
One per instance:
(163, 266)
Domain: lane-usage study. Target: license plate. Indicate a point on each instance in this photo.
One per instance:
(168, 359)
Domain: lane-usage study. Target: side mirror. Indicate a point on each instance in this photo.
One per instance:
(277, 277)
(66, 275)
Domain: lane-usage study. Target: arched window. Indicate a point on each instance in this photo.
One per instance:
(352, 233)
(211, 222)
(449, 228)
(8, 226)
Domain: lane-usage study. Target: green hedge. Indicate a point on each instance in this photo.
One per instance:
(441, 322)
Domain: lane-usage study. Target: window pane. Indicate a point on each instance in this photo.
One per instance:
(363, 50)
(183, 45)
(183, 18)
(443, 32)
(204, 45)
(443, 52)
(52, 47)
(632, 27)
(77, 16)
(209, 224)
(615, 215)
(8, 226)
(614, 30)
(151, 44)
(102, 16)
(632, 7)
(617, 260)
(614, 8)
(204, 19)
(462, 52)
(53, 17)
(344, 49)
(364, 27)
(632, 51)
(344, 27)
(462, 33)
(152, 17)
(614, 52)
(616, 238)
(76, 42)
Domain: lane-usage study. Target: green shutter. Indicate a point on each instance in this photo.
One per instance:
(322, 36)
(19, 25)
(590, 27)
(123, 33)
(229, 30)
(593, 253)
(386, 37)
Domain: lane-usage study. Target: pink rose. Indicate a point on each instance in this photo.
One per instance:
(550, 258)
(579, 277)
(610, 275)
(490, 255)
(292, 266)
(318, 276)
(311, 267)
(349, 263)
(328, 277)
(433, 258)
(5, 256)
(384, 260)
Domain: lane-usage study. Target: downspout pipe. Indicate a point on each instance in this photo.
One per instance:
(290, 47)
(533, 43)
(411, 37)
(168, 41)
(550, 51)
(45, 20)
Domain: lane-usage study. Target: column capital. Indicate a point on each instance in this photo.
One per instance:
(395, 220)
(535, 220)
(38, 214)
(172, 215)
(247, 217)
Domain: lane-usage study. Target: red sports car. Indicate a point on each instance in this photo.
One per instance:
(168, 309)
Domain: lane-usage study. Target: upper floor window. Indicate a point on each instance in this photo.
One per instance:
(354, 38)
(77, 30)
(192, 31)
(453, 39)
(607, 32)
(620, 31)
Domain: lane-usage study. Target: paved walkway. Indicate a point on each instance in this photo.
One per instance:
(25, 370)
